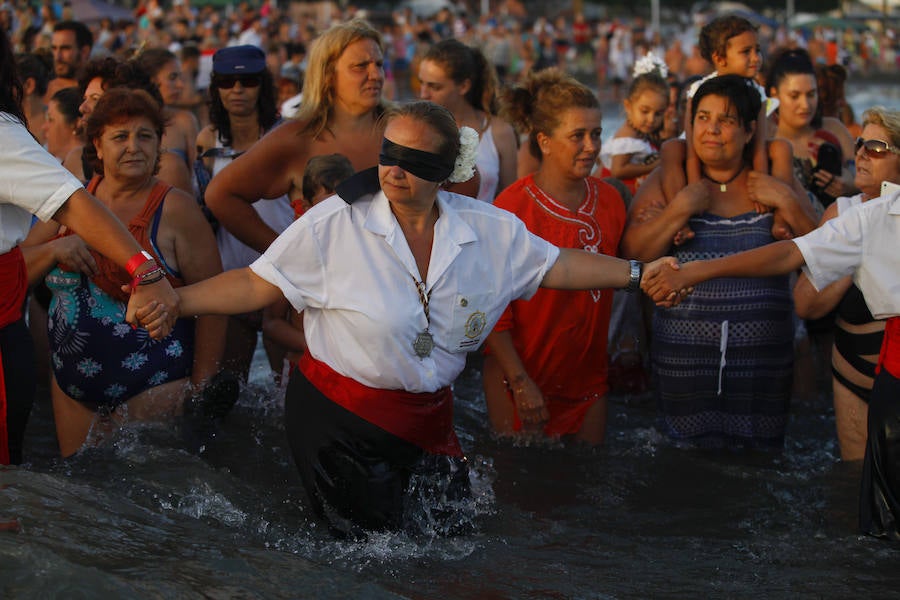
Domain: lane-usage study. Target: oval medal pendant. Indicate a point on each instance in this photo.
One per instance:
(424, 344)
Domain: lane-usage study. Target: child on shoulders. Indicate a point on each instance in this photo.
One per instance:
(731, 44)
(634, 149)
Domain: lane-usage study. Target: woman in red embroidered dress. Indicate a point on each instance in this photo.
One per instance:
(547, 359)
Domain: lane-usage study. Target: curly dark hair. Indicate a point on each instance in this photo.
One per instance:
(266, 106)
(114, 72)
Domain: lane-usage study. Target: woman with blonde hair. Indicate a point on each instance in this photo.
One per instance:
(340, 112)
(857, 335)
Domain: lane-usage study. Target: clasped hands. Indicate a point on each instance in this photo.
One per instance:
(665, 282)
(154, 306)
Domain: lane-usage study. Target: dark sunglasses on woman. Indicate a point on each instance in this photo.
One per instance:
(226, 82)
(875, 148)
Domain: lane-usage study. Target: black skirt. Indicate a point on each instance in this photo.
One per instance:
(879, 501)
(360, 477)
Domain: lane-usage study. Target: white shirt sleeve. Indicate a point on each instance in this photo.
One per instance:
(32, 182)
(532, 257)
(31, 178)
(294, 264)
(834, 250)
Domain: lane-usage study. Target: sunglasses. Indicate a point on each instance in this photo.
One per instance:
(226, 82)
(875, 148)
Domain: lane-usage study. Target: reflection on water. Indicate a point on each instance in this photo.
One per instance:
(147, 517)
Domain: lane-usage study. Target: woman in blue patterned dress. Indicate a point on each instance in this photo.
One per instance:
(102, 367)
(722, 359)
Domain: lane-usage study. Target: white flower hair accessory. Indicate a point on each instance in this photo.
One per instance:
(464, 168)
(649, 63)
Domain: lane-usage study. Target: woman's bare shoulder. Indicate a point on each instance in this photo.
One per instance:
(207, 137)
(181, 211)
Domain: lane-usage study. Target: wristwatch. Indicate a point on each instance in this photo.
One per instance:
(635, 273)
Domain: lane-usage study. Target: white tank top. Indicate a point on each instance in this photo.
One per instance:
(277, 214)
(487, 160)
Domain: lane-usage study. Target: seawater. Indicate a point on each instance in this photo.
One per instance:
(151, 514)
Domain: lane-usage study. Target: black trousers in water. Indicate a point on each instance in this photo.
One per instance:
(357, 474)
(21, 382)
(879, 499)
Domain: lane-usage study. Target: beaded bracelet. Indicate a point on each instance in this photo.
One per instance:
(147, 277)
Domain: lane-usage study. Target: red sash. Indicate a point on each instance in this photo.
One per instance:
(14, 283)
(890, 348)
(425, 420)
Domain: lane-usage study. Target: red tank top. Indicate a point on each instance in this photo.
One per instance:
(110, 277)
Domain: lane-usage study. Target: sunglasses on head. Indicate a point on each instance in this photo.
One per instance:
(226, 82)
(875, 148)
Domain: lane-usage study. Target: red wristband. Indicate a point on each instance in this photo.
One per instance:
(136, 261)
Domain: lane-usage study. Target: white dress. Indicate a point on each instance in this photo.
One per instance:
(487, 159)
(638, 148)
(277, 214)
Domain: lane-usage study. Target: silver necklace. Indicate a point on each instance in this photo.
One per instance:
(424, 342)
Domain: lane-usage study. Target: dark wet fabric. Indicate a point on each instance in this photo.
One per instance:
(879, 499)
(21, 383)
(360, 477)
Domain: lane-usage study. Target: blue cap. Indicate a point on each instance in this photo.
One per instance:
(236, 60)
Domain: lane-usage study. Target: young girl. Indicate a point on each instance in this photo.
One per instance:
(634, 150)
(731, 44)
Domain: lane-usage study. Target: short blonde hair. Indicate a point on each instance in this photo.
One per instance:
(317, 105)
(889, 119)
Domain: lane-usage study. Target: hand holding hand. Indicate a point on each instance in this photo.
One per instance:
(664, 282)
(154, 307)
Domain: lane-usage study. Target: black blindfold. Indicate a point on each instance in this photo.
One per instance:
(424, 165)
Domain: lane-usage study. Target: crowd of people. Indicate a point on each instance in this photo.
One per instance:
(188, 203)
